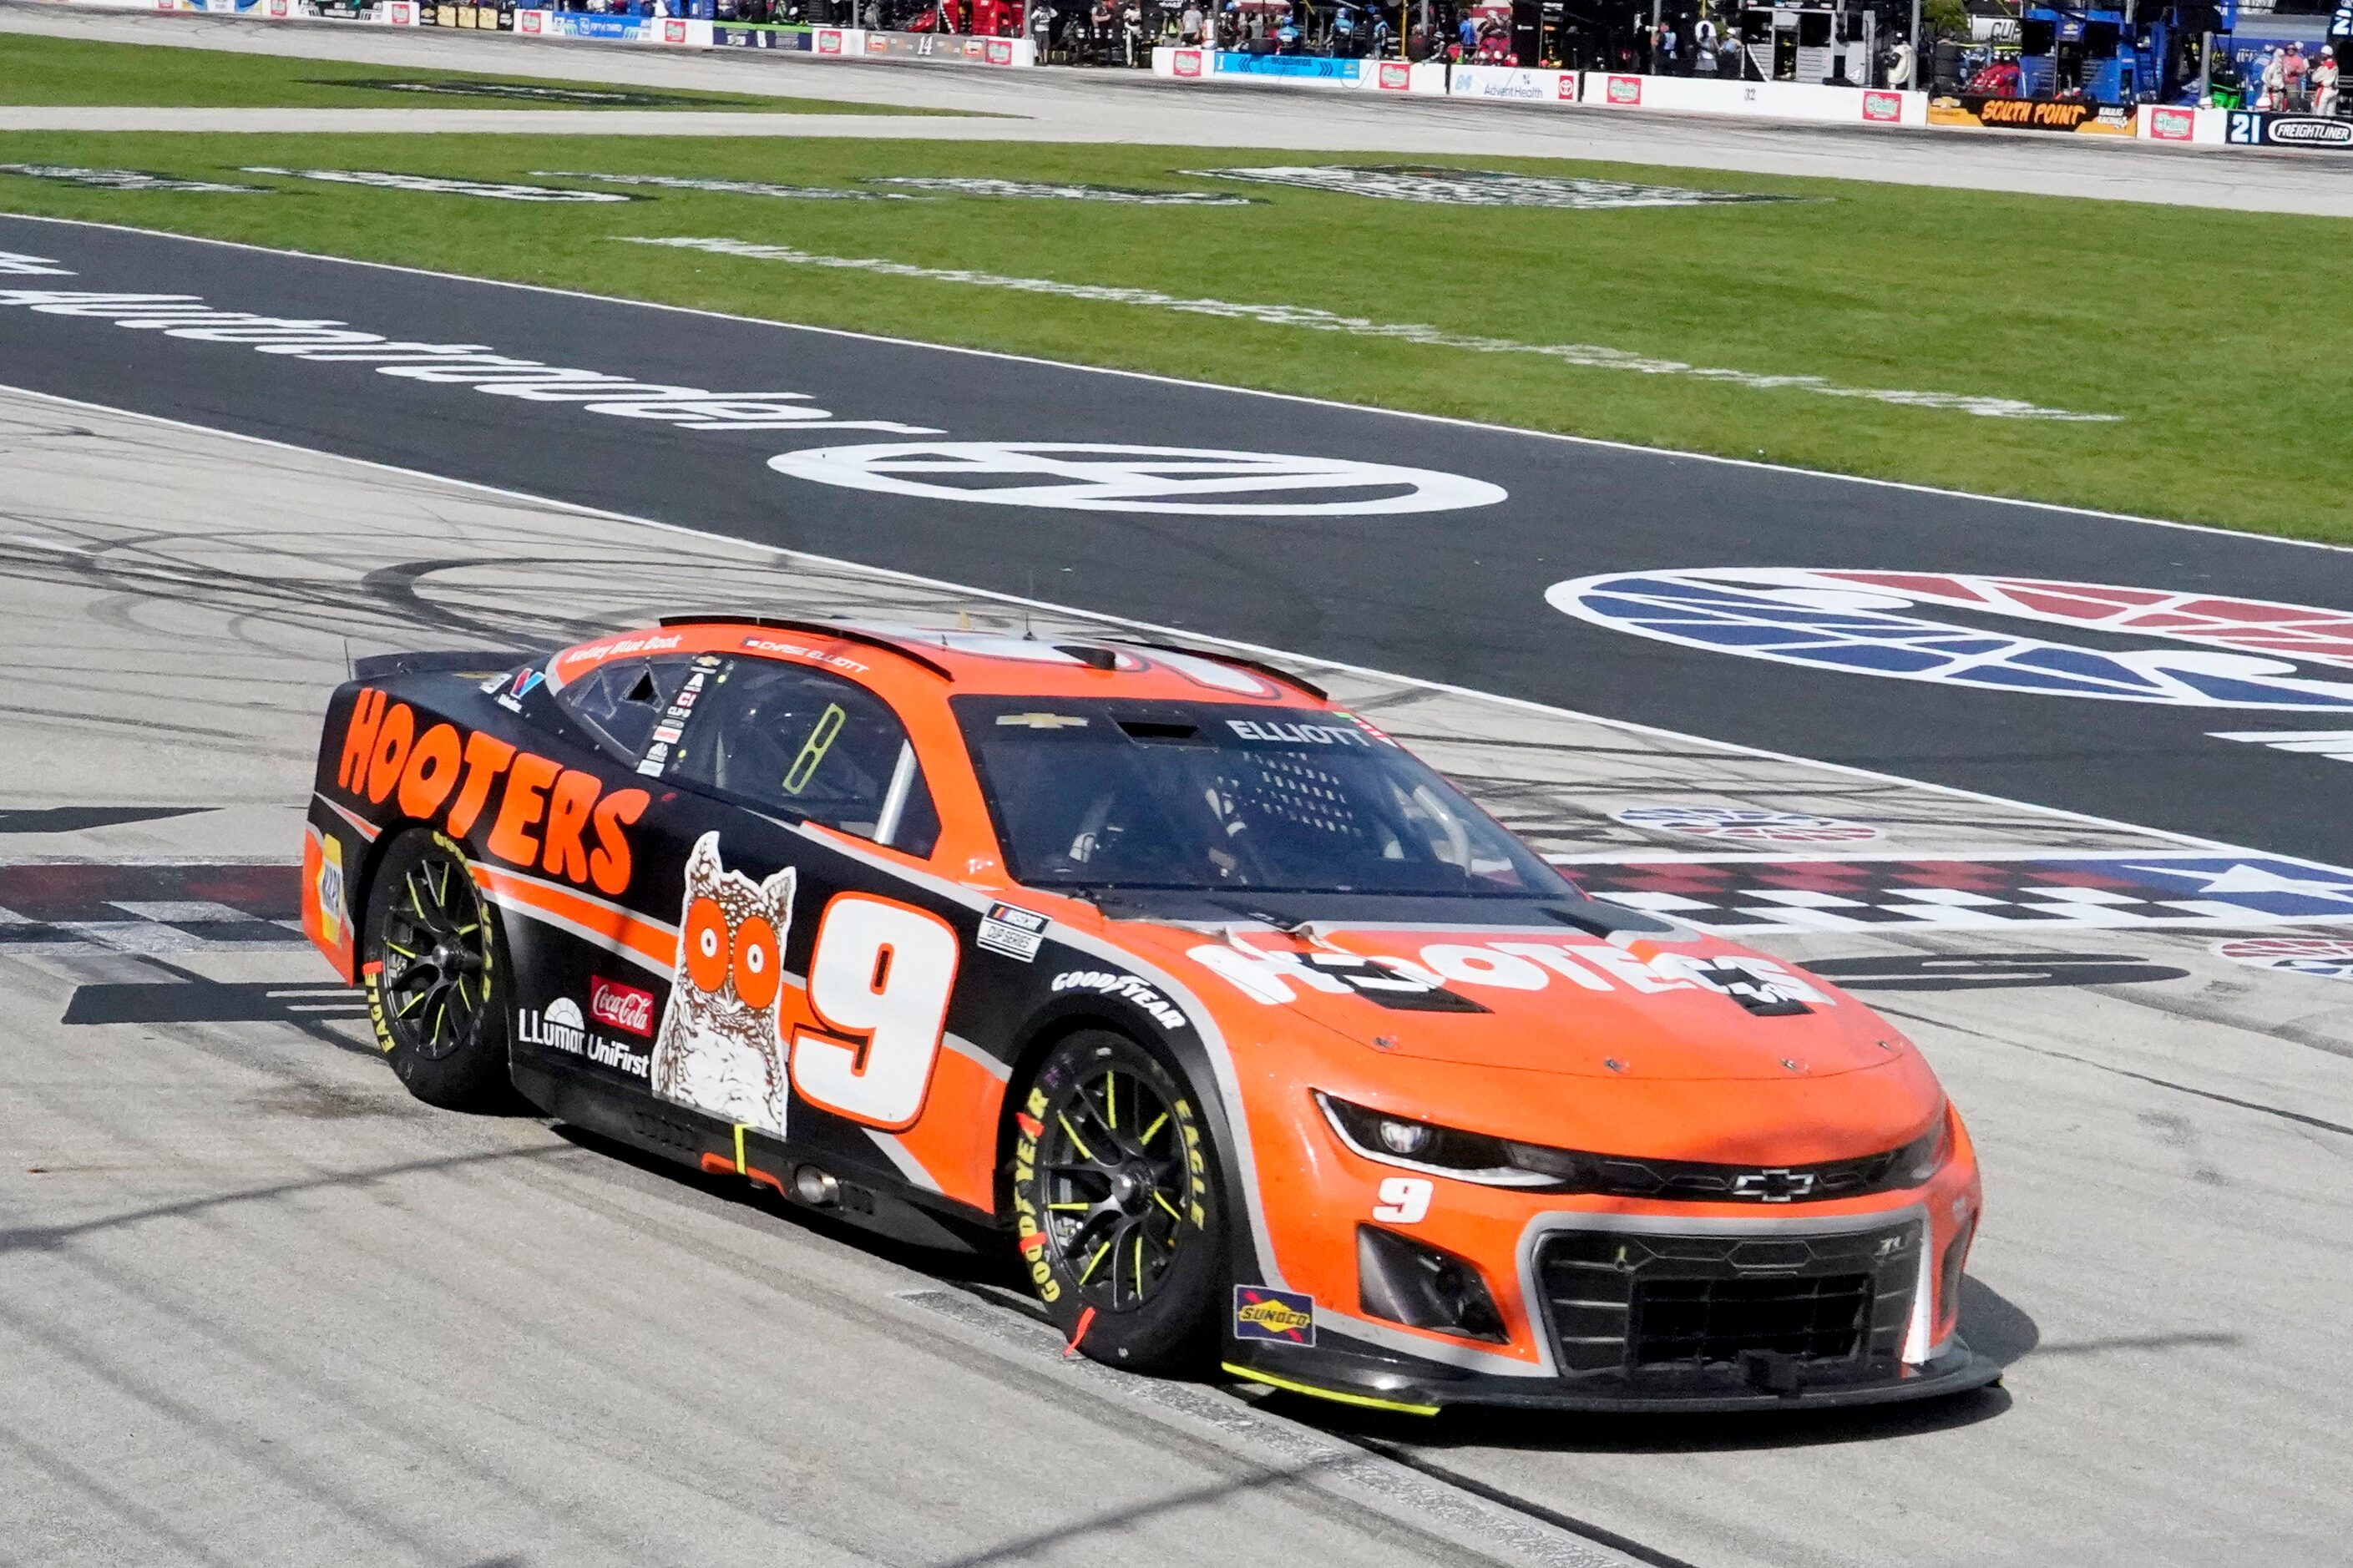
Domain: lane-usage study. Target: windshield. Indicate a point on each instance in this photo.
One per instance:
(1211, 796)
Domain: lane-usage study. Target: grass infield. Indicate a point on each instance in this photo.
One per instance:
(2229, 413)
(53, 72)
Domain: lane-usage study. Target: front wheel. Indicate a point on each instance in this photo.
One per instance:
(1117, 1205)
(430, 957)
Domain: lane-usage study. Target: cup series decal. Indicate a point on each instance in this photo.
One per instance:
(564, 821)
(1276, 1317)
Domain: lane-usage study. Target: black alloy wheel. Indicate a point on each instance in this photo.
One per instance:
(430, 963)
(1116, 1196)
(1113, 1163)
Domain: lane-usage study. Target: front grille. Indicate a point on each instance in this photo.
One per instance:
(1688, 1309)
(1694, 1322)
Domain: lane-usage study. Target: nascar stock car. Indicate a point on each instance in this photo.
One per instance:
(1248, 1035)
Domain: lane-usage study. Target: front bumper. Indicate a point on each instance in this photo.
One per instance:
(1663, 1310)
(1372, 1378)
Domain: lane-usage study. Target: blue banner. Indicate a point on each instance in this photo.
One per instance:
(1290, 65)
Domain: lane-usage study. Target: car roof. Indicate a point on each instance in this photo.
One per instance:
(972, 661)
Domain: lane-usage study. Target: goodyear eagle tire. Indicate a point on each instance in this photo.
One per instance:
(1116, 1203)
(434, 973)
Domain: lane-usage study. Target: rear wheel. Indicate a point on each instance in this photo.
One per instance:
(1117, 1203)
(430, 957)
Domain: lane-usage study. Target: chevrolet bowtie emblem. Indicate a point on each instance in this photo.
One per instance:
(1773, 1186)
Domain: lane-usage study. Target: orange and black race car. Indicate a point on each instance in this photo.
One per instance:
(1250, 1038)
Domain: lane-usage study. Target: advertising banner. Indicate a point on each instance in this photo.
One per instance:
(1290, 67)
(2180, 122)
(2249, 128)
(760, 36)
(1757, 100)
(1510, 83)
(953, 48)
(2033, 114)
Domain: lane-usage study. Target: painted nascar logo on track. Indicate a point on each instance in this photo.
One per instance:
(2326, 957)
(2203, 650)
(1183, 481)
(1737, 824)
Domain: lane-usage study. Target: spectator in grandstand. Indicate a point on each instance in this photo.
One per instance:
(1466, 33)
(2324, 82)
(1662, 50)
(1189, 25)
(1704, 50)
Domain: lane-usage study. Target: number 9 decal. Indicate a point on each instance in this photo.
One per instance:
(879, 984)
(1405, 1200)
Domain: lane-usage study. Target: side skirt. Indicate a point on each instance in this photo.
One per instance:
(717, 1148)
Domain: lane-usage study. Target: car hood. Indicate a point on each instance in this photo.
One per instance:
(1625, 1006)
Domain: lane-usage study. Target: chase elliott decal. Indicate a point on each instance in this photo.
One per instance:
(2152, 644)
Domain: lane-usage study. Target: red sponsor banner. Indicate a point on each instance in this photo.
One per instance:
(2172, 124)
(673, 31)
(1566, 87)
(1187, 63)
(621, 1006)
(403, 15)
(1625, 89)
(279, 7)
(878, 46)
(1883, 108)
(1000, 53)
(828, 42)
(527, 21)
(1396, 76)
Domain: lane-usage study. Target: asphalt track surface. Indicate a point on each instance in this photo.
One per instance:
(261, 1306)
(1109, 106)
(1453, 595)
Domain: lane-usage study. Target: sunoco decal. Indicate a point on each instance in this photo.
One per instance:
(2200, 651)
(1276, 1317)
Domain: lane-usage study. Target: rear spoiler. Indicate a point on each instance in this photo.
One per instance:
(442, 661)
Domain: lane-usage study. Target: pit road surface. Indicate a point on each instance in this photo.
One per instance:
(1471, 609)
(263, 1307)
(1109, 106)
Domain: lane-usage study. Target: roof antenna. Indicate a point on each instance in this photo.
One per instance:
(1029, 631)
(350, 671)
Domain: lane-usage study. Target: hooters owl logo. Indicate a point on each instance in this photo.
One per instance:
(720, 1050)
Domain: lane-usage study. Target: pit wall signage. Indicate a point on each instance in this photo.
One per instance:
(2249, 128)
(949, 49)
(674, 30)
(2033, 114)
